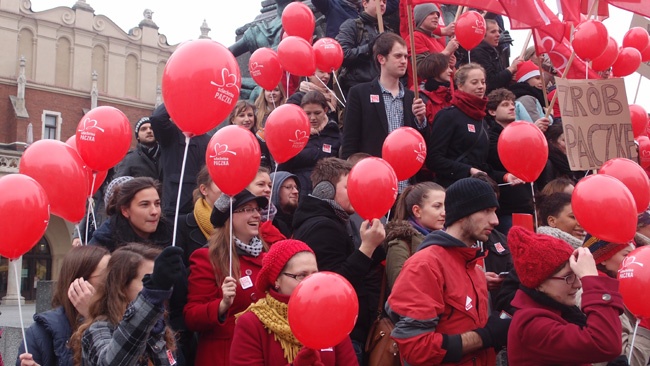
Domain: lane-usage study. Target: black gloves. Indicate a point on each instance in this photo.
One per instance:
(618, 361)
(495, 332)
(167, 269)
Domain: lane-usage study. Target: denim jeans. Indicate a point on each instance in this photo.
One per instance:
(358, 350)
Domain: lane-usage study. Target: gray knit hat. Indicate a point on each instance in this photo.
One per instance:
(467, 196)
(114, 184)
(421, 11)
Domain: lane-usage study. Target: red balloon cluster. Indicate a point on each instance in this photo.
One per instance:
(519, 139)
(628, 60)
(636, 37)
(470, 29)
(328, 54)
(634, 279)
(634, 178)
(103, 137)
(607, 58)
(287, 132)
(233, 157)
(200, 85)
(323, 293)
(298, 20)
(405, 150)
(590, 39)
(24, 214)
(297, 56)
(372, 188)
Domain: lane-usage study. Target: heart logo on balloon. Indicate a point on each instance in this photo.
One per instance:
(299, 141)
(229, 80)
(480, 27)
(422, 153)
(254, 69)
(90, 124)
(220, 149)
(630, 260)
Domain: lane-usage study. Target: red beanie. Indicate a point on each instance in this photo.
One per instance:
(536, 257)
(526, 70)
(277, 257)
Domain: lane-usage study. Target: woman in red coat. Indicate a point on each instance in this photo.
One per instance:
(548, 328)
(214, 296)
(262, 334)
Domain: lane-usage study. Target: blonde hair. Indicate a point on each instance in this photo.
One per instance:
(262, 106)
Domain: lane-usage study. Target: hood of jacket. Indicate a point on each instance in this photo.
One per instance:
(442, 239)
(278, 179)
(311, 206)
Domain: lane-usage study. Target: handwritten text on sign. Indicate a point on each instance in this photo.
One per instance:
(596, 120)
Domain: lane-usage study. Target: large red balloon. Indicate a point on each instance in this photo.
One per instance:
(328, 54)
(286, 132)
(298, 20)
(634, 280)
(405, 150)
(633, 176)
(372, 188)
(233, 157)
(605, 208)
(101, 176)
(62, 173)
(639, 119)
(590, 39)
(470, 29)
(323, 293)
(200, 85)
(636, 37)
(297, 56)
(103, 137)
(644, 151)
(628, 60)
(645, 54)
(264, 67)
(24, 214)
(519, 139)
(607, 58)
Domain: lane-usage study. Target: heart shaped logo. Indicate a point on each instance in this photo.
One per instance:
(221, 149)
(89, 124)
(228, 79)
(301, 135)
(254, 67)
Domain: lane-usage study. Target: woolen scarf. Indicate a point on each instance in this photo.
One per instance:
(254, 248)
(470, 104)
(202, 212)
(572, 314)
(559, 234)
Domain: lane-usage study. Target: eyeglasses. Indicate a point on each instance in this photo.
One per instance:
(291, 188)
(297, 277)
(570, 279)
(248, 210)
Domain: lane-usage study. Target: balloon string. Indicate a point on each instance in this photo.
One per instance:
(328, 89)
(387, 215)
(90, 207)
(180, 185)
(586, 70)
(230, 246)
(469, 56)
(637, 88)
(273, 100)
(268, 213)
(532, 190)
(339, 86)
(287, 93)
(20, 308)
(76, 227)
(636, 327)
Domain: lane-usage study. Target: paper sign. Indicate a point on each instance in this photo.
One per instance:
(596, 120)
(639, 21)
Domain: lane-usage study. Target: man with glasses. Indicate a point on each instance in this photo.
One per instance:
(286, 190)
(439, 303)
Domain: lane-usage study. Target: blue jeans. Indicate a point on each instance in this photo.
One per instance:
(358, 350)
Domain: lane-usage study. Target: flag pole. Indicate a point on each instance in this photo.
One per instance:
(541, 73)
(380, 18)
(459, 11)
(523, 50)
(409, 13)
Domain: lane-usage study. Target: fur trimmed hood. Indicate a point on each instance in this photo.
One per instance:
(400, 229)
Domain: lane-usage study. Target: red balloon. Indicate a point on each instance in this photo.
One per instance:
(323, 293)
(633, 176)
(24, 214)
(287, 132)
(519, 139)
(628, 60)
(372, 188)
(200, 85)
(405, 150)
(103, 137)
(605, 208)
(233, 157)
(645, 55)
(264, 67)
(634, 279)
(101, 176)
(62, 173)
(470, 29)
(639, 119)
(607, 58)
(328, 54)
(636, 37)
(590, 39)
(644, 151)
(298, 20)
(297, 56)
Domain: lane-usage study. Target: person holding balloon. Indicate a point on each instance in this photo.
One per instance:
(215, 292)
(262, 334)
(548, 327)
(82, 272)
(426, 18)
(267, 102)
(243, 115)
(262, 185)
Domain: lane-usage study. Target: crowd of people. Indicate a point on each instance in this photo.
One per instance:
(460, 283)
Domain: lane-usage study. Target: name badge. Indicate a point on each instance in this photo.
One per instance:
(170, 357)
(246, 282)
(327, 148)
(374, 98)
(471, 128)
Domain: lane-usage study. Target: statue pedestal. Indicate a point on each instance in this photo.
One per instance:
(13, 294)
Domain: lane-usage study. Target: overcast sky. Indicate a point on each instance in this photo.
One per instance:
(181, 20)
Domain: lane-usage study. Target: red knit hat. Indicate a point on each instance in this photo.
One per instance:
(526, 70)
(277, 257)
(536, 257)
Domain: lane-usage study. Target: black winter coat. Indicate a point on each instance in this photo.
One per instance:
(321, 145)
(137, 164)
(316, 224)
(496, 76)
(189, 236)
(498, 259)
(116, 232)
(48, 339)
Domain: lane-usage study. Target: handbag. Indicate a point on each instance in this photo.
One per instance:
(381, 349)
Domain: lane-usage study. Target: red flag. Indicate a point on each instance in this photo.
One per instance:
(641, 7)
(570, 10)
(493, 6)
(526, 14)
(559, 53)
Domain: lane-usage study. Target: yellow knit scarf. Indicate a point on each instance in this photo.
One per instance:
(274, 315)
(202, 212)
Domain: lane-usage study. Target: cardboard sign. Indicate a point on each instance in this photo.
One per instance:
(596, 120)
(639, 21)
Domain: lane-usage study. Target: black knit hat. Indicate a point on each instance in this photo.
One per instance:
(221, 210)
(467, 196)
(139, 124)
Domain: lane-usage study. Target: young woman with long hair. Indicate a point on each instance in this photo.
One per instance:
(243, 115)
(266, 102)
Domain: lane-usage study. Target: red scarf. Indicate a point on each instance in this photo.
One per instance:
(470, 104)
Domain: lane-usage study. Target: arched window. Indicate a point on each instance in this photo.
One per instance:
(63, 58)
(131, 82)
(99, 65)
(26, 48)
